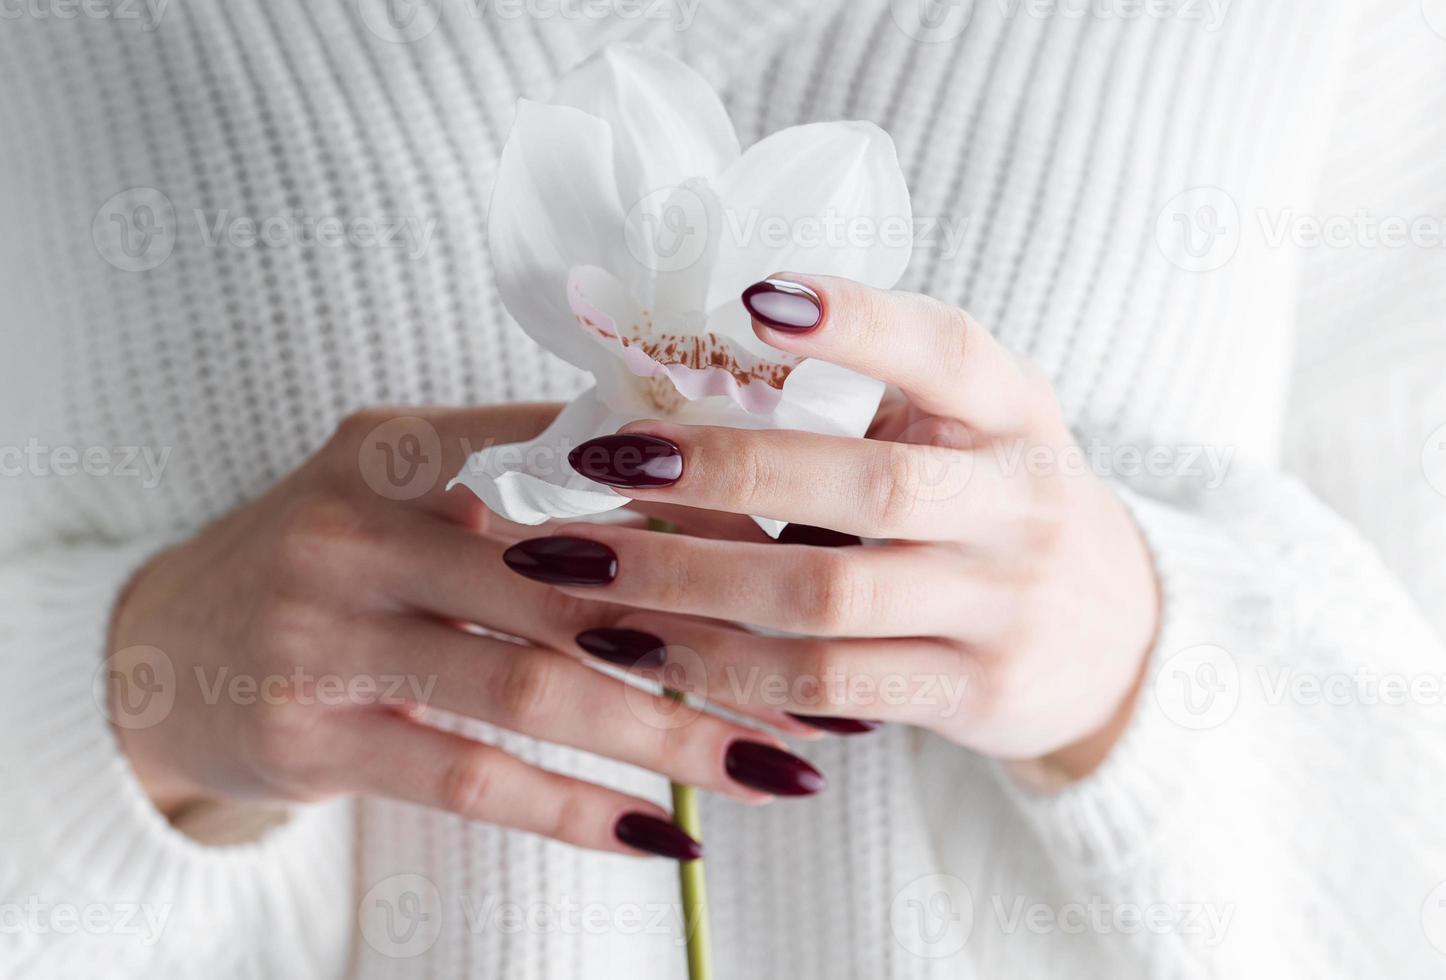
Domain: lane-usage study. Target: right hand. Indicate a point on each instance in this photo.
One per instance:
(336, 611)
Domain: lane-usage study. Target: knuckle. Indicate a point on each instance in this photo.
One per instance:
(839, 594)
(283, 748)
(747, 476)
(314, 530)
(467, 782)
(818, 667)
(528, 688)
(569, 820)
(954, 341)
(896, 488)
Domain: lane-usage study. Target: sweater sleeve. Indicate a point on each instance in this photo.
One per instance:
(96, 882)
(1283, 765)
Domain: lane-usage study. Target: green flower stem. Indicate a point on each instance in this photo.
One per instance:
(691, 879)
(694, 884)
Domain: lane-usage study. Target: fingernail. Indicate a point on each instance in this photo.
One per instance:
(838, 726)
(770, 770)
(563, 561)
(626, 648)
(818, 537)
(629, 461)
(655, 836)
(784, 305)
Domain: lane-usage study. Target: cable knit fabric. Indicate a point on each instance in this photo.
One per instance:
(1099, 184)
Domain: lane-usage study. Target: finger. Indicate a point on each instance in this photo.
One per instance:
(457, 574)
(943, 360)
(921, 682)
(897, 590)
(548, 696)
(390, 755)
(857, 486)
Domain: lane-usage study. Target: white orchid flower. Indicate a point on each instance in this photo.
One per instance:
(625, 224)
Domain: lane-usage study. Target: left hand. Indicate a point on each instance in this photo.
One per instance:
(1011, 605)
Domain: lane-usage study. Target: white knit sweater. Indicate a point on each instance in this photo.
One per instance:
(1263, 833)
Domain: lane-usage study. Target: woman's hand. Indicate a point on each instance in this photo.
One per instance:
(303, 631)
(1013, 604)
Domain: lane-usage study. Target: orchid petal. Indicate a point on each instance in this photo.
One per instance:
(825, 198)
(668, 124)
(532, 482)
(555, 205)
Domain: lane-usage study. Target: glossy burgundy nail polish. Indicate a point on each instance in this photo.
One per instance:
(782, 305)
(563, 561)
(648, 833)
(770, 770)
(627, 460)
(838, 726)
(626, 648)
(818, 537)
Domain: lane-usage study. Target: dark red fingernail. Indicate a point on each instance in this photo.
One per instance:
(838, 726)
(626, 648)
(770, 770)
(655, 836)
(784, 305)
(818, 537)
(563, 561)
(629, 461)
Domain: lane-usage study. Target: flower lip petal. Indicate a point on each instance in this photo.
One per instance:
(694, 363)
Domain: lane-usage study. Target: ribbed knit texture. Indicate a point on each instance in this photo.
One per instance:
(1041, 152)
